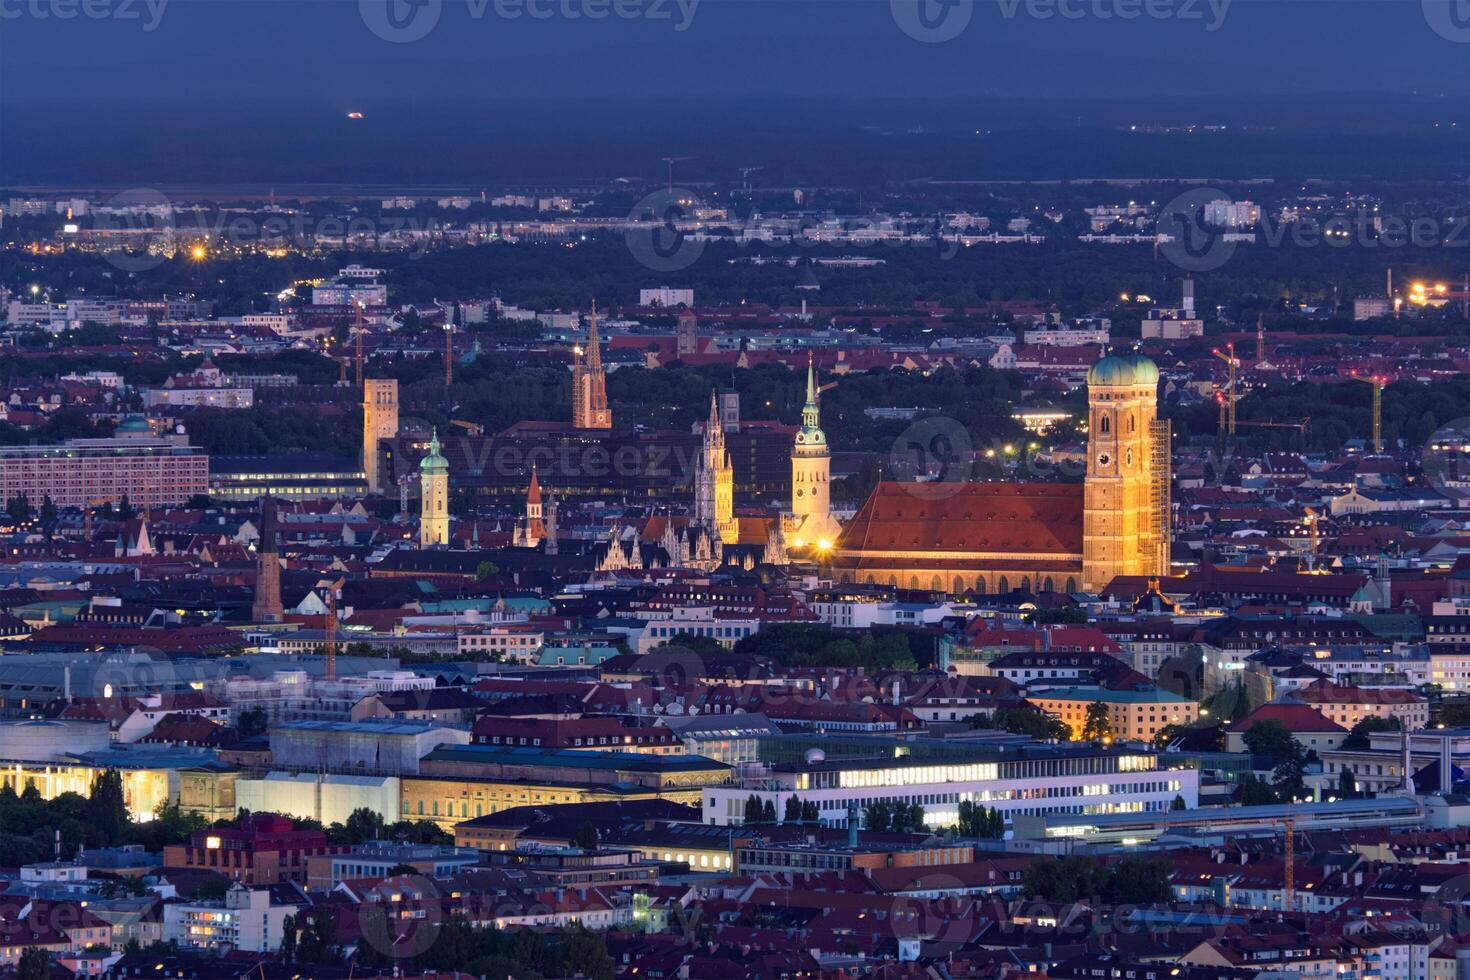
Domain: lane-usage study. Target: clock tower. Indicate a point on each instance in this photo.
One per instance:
(811, 472)
(1123, 514)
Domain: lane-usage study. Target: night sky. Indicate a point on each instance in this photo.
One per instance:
(197, 89)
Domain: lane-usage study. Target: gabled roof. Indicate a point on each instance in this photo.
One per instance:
(1025, 519)
(1293, 717)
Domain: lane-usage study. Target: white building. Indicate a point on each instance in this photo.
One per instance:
(1030, 780)
(329, 798)
(860, 612)
(247, 919)
(386, 748)
(694, 621)
(1174, 322)
(1232, 214)
(666, 297)
(1079, 333)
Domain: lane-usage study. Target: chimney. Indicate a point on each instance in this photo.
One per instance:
(1446, 765)
(1407, 785)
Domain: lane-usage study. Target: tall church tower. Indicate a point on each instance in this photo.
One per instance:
(530, 530)
(433, 497)
(589, 383)
(714, 480)
(811, 470)
(1125, 519)
(266, 608)
(379, 421)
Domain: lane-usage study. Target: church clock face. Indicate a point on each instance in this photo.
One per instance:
(1104, 459)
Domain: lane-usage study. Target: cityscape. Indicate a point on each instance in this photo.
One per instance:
(913, 490)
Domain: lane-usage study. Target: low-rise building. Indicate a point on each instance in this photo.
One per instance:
(1134, 715)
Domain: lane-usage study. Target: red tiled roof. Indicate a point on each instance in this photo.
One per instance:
(1293, 717)
(1024, 519)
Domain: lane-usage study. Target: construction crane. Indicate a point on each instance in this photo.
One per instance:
(331, 629)
(1379, 382)
(745, 173)
(1288, 897)
(1228, 396)
(474, 429)
(1314, 536)
(671, 161)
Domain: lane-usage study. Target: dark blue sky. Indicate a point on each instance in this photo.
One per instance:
(314, 50)
(212, 77)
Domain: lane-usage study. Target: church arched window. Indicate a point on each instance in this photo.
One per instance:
(1130, 423)
(1047, 585)
(980, 584)
(959, 585)
(1003, 586)
(1104, 425)
(1071, 585)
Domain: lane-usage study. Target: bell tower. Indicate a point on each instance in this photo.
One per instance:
(433, 497)
(1121, 528)
(811, 471)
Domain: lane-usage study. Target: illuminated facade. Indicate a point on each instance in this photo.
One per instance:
(379, 421)
(433, 497)
(464, 782)
(1132, 715)
(144, 789)
(80, 472)
(714, 480)
(589, 383)
(1121, 529)
(811, 525)
(1032, 537)
(1031, 780)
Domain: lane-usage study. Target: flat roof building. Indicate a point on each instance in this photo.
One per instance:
(79, 472)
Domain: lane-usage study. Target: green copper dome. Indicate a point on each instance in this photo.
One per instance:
(434, 462)
(1123, 370)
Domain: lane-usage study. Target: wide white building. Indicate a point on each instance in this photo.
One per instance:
(1035, 779)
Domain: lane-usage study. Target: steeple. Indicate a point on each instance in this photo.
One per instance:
(811, 412)
(266, 607)
(811, 523)
(589, 384)
(433, 496)
(533, 495)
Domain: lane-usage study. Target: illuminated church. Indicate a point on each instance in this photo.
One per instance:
(998, 537)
